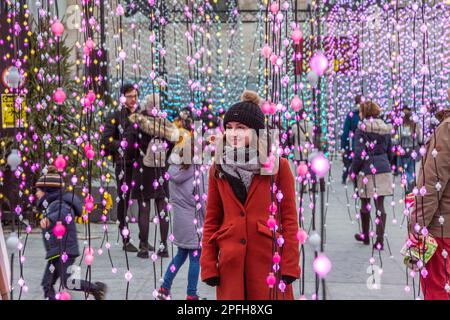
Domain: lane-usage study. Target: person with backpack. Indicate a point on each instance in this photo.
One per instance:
(60, 236)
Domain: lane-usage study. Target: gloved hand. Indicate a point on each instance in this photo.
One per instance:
(288, 279)
(212, 282)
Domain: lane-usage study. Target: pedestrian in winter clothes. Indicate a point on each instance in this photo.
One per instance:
(237, 242)
(151, 137)
(409, 139)
(371, 167)
(59, 210)
(432, 210)
(348, 138)
(118, 148)
(187, 220)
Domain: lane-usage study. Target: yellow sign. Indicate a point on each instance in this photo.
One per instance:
(12, 118)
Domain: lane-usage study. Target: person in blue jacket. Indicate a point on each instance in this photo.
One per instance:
(59, 209)
(348, 138)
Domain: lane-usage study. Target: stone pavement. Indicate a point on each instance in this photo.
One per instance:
(347, 280)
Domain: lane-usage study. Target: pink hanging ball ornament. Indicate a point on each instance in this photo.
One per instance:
(302, 236)
(266, 51)
(276, 258)
(59, 96)
(320, 165)
(319, 63)
(271, 222)
(269, 108)
(271, 280)
(297, 36)
(274, 7)
(89, 203)
(57, 28)
(89, 258)
(60, 163)
(64, 296)
(296, 103)
(302, 169)
(59, 230)
(273, 59)
(322, 265)
(89, 44)
(273, 208)
(91, 96)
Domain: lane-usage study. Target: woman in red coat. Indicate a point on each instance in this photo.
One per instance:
(238, 247)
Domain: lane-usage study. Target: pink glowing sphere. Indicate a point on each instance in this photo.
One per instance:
(89, 206)
(273, 59)
(273, 208)
(271, 222)
(60, 163)
(302, 169)
(274, 7)
(59, 230)
(91, 96)
(59, 96)
(297, 36)
(276, 258)
(302, 236)
(64, 296)
(269, 108)
(296, 103)
(90, 154)
(271, 280)
(322, 265)
(319, 63)
(89, 258)
(57, 28)
(89, 44)
(124, 188)
(266, 51)
(320, 165)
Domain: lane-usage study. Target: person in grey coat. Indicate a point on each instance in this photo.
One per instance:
(187, 196)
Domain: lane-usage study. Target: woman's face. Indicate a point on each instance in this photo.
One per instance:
(237, 134)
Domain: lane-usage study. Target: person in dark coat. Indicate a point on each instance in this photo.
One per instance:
(59, 211)
(118, 148)
(348, 138)
(371, 166)
(152, 137)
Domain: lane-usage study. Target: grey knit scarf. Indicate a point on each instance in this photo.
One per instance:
(241, 163)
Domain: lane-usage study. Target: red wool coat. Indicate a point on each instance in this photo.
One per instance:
(237, 244)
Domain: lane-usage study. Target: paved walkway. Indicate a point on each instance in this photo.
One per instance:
(347, 279)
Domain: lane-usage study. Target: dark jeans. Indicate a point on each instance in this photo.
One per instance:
(122, 206)
(61, 271)
(194, 269)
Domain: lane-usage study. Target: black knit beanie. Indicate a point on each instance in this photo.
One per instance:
(247, 112)
(50, 181)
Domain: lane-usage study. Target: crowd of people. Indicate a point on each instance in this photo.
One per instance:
(220, 218)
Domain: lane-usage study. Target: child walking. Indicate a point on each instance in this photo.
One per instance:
(60, 237)
(188, 217)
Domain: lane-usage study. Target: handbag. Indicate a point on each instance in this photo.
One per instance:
(418, 252)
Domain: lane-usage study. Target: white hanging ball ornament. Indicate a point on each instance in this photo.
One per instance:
(13, 78)
(313, 78)
(12, 242)
(13, 159)
(314, 240)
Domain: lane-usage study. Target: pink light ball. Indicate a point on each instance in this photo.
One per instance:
(276, 258)
(319, 63)
(320, 165)
(302, 169)
(60, 163)
(59, 230)
(266, 51)
(91, 96)
(89, 258)
(297, 36)
(89, 44)
(296, 103)
(274, 7)
(271, 280)
(268, 108)
(64, 296)
(271, 222)
(302, 236)
(90, 154)
(322, 265)
(59, 96)
(57, 28)
(273, 208)
(273, 59)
